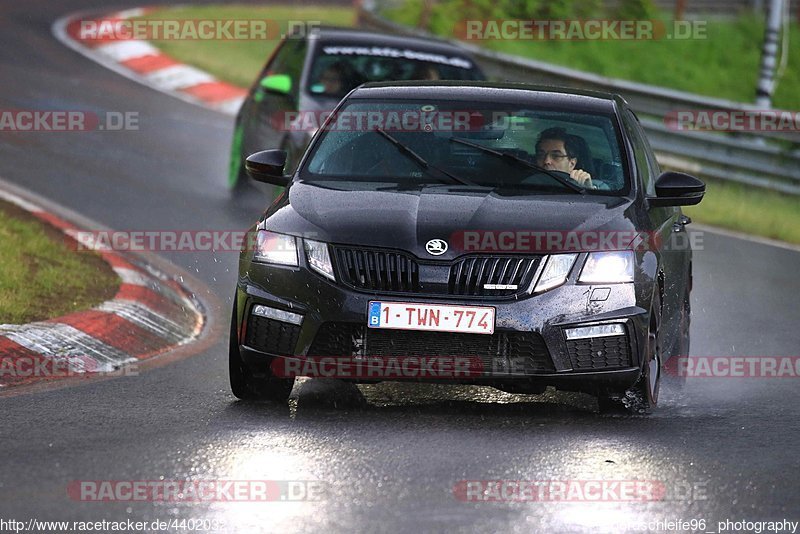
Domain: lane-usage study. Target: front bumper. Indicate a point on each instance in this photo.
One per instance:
(528, 351)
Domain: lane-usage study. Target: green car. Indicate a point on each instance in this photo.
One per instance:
(308, 75)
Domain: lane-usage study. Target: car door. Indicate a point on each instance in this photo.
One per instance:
(274, 98)
(668, 232)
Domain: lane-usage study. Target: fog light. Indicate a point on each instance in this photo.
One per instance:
(278, 315)
(601, 330)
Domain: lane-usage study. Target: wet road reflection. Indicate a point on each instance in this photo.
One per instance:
(393, 449)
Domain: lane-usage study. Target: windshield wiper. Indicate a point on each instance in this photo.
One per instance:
(422, 162)
(512, 157)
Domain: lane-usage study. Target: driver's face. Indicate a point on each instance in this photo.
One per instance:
(332, 81)
(552, 155)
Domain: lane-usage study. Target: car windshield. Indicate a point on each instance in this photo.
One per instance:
(339, 68)
(415, 143)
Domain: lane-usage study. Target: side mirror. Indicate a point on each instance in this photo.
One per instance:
(677, 189)
(267, 166)
(276, 83)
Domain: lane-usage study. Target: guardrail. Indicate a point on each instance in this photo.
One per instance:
(770, 160)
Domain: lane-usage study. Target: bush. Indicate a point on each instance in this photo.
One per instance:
(635, 10)
(514, 9)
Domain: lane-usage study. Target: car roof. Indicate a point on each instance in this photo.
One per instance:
(496, 92)
(337, 35)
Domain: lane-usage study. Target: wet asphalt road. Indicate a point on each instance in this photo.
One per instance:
(387, 456)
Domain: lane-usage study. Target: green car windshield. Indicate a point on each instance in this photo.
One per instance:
(338, 68)
(411, 143)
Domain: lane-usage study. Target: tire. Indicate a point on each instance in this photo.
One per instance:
(680, 347)
(242, 184)
(247, 386)
(237, 175)
(642, 397)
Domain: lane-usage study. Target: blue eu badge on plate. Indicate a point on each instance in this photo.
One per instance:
(374, 318)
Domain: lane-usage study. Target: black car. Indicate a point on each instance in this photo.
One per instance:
(498, 234)
(308, 74)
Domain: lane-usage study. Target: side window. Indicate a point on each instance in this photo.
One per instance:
(655, 168)
(645, 162)
(275, 62)
(293, 65)
(289, 60)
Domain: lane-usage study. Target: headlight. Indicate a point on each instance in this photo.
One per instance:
(275, 248)
(608, 268)
(555, 272)
(318, 258)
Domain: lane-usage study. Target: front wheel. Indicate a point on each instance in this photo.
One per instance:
(642, 397)
(247, 386)
(237, 176)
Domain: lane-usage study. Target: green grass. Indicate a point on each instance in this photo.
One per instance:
(723, 65)
(749, 210)
(42, 277)
(240, 61)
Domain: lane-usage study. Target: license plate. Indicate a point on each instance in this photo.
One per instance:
(431, 317)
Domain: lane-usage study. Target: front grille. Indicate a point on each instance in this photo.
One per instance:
(468, 275)
(269, 335)
(600, 352)
(518, 352)
(377, 270)
(390, 271)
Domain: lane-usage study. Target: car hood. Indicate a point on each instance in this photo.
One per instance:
(407, 220)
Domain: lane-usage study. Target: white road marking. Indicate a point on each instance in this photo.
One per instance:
(66, 343)
(19, 201)
(59, 29)
(179, 77)
(125, 50)
(231, 106)
(129, 13)
(136, 278)
(79, 351)
(148, 319)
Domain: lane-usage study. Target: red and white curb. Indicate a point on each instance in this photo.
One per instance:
(150, 314)
(142, 62)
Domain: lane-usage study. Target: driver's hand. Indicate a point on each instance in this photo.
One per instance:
(582, 177)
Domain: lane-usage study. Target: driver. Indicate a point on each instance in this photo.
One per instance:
(556, 150)
(338, 79)
(333, 79)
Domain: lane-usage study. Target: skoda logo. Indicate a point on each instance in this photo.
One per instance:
(436, 247)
